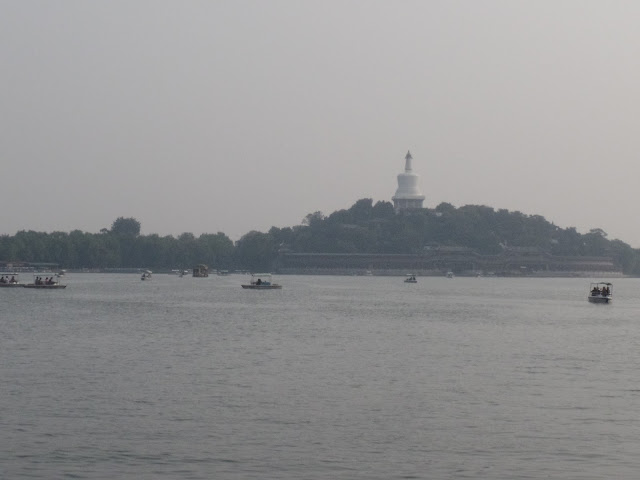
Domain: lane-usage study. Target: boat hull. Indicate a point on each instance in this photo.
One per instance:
(262, 287)
(11, 285)
(600, 299)
(44, 287)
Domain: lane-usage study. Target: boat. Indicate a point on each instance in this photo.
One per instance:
(449, 274)
(201, 271)
(146, 275)
(46, 281)
(223, 273)
(411, 278)
(600, 292)
(261, 281)
(10, 280)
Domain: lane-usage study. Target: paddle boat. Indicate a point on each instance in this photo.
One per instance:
(46, 281)
(146, 275)
(411, 278)
(9, 280)
(600, 292)
(261, 281)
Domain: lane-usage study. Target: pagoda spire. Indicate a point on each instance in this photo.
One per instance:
(408, 158)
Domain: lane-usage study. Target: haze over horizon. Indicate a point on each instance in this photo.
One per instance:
(240, 115)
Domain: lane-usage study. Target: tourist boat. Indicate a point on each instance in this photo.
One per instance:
(261, 281)
(146, 275)
(46, 281)
(9, 280)
(410, 278)
(601, 292)
(201, 271)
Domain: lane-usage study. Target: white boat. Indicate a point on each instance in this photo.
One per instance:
(449, 274)
(600, 292)
(10, 280)
(261, 281)
(146, 275)
(46, 281)
(411, 278)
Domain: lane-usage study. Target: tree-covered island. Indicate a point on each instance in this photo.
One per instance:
(468, 237)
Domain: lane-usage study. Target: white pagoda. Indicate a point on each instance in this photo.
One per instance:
(408, 195)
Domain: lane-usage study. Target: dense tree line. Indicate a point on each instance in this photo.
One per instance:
(363, 228)
(119, 247)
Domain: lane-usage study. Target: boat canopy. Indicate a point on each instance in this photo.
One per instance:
(602, 288)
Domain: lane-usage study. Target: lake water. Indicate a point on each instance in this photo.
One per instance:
(328, 378)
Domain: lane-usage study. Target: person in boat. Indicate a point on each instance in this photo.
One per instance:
(595, 291)
(13, 280)
(259, 281)
(3, 280)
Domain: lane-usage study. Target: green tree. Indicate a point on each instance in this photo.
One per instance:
(256, 251)
(126, 226)
(313, 219)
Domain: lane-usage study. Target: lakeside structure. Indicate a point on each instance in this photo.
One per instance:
(29, 266)
(459, 260)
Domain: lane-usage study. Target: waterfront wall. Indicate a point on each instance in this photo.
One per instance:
(440, 262)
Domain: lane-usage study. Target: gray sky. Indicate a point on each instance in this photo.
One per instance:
(207, 116)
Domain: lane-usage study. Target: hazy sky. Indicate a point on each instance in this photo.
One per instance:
(207, 116)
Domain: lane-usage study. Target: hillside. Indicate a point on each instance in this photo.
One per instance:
(375, 228)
